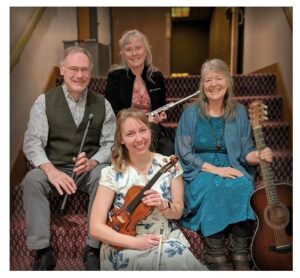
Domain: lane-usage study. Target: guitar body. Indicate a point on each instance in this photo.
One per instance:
(272, 242)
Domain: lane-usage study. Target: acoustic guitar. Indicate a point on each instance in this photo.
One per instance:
(272, 244)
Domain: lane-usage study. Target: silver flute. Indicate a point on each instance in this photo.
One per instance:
(171, 104)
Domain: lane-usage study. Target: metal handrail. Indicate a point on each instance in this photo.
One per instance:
(288, 11)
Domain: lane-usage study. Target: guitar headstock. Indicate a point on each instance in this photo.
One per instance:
(170, 164)
(257, 113)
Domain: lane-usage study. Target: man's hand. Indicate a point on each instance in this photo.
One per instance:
(60, 180)
(83, 164)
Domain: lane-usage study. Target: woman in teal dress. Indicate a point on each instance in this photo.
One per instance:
(215, 147)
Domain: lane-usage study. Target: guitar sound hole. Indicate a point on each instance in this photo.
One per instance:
(277, 216)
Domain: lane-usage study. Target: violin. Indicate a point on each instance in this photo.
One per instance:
(125, 219)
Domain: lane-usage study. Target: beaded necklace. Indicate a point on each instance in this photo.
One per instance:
(214, 133)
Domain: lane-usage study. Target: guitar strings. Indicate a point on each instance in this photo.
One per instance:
(279, 234)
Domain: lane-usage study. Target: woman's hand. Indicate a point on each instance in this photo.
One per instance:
(228, 172)
(225, 172)
(153, 199)
(147, 242)
(254, 157)
(266, 155)
(157, 118)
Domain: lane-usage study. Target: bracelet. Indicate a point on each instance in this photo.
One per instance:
(168, 207)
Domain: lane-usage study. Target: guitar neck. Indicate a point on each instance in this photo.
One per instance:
(266, 169)
(134, 203)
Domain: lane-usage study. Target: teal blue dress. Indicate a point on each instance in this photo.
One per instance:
(211, 201)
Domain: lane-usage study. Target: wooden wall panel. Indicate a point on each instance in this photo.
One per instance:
(220, 36)
(83, 22)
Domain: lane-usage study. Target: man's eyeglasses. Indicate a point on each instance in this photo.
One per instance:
(74, 70)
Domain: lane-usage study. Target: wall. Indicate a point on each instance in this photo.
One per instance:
(103, 19)
(43, 51)
(268, 40)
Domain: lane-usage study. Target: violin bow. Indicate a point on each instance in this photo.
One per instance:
(161, 232)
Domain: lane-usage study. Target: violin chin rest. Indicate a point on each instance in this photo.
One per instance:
(120, 218)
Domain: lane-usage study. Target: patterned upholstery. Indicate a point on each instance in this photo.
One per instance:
(181, 86)
(69, 230)
(254, 84)
(282, 167)
(244, 85)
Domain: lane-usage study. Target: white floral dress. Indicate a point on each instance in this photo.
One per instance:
(175, 253)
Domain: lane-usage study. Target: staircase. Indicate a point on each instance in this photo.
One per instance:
(69, 230)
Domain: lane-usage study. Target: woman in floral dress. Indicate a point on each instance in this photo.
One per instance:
(134, 164)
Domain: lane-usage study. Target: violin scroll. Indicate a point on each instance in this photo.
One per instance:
(173, 160)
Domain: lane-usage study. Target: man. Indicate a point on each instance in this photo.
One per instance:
(55, 130)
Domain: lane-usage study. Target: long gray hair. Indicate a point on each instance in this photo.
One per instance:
(229, 102)
(126, 38)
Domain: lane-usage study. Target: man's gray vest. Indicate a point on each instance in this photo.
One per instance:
(64, 136)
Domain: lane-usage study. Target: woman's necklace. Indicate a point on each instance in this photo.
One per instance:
(214, 133)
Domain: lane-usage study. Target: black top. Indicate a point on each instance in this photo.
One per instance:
(119, 89)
